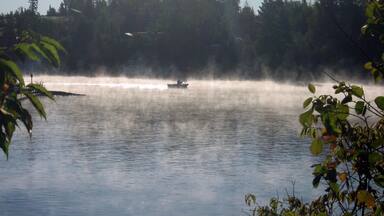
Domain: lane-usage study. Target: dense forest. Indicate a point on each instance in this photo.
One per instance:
(215, 38)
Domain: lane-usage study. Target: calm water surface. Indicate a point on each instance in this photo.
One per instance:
(133, 147)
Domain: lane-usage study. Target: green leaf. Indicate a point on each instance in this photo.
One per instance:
(380, 102)
(335, 187)
(274, 203)
(311, 88)
(319, 169)
(51, 52)
(316, 147)
(39, 51)
(342, 111)
(36, 103)
(368, 66)
(26, 118)
(357, 91)
(11, 67)
(307, 102)
(8, 121)
(359, 108)
(306, 118)
(13, 106)
(4, 144)
(329, 120)
(54, 43)
(26, 50)
(316, 181)
(41, 90)
(9, 129)
(370, 9)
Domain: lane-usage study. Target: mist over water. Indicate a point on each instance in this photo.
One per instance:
(134, 147)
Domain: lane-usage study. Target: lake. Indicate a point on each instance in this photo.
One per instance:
(134, 147)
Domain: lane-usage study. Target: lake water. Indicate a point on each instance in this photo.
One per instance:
(134, 147)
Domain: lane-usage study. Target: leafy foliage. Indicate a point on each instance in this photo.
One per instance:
(374, 29)
(351, 128)
(290, 206)
(347, 131)
(33, 47)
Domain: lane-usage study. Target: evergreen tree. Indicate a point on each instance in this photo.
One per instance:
(33, 5)
(51, 11)
(189, 35)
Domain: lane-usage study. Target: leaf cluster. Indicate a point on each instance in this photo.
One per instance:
(374, 29)
(289, 206)
(348, 130)
(12, 85)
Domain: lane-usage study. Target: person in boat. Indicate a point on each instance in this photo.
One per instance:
(179, 82)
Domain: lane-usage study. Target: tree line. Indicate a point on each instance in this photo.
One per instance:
(281, 39)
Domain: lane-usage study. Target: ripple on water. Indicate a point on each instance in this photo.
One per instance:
(133, 147)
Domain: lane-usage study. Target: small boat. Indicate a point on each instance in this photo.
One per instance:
(179, 84)
(184, 85)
